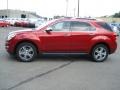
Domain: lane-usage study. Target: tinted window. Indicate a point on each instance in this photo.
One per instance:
(61, 26)
(105, 26)
(80, 26)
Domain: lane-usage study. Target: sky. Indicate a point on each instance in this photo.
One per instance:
(50, 8)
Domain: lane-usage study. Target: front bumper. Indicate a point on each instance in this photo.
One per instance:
(9, 47)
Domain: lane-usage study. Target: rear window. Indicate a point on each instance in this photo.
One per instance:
(105, 26)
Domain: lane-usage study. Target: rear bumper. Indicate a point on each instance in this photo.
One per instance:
(113, 47)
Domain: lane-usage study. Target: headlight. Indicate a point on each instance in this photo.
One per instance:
(10, 36)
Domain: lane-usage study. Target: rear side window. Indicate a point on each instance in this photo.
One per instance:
(80, 26)
(105, 26)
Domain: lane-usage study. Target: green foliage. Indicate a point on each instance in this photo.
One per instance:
(57, 17)
(116, 15)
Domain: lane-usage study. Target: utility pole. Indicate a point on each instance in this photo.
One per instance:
(7, 4)
(74, 12)
(66, 7)
(78, 8)
(7, 8)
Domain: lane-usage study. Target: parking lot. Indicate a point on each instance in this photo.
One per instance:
(57, 72)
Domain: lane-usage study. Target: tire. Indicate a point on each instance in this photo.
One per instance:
(99, 53)
(26, 52)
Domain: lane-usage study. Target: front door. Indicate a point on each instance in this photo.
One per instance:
(58, 39)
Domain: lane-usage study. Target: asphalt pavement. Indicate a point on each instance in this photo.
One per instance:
(57, 72)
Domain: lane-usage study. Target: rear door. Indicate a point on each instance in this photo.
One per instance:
(81, 35)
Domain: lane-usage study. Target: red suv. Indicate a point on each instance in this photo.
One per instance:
(66, 35)
(4, 23)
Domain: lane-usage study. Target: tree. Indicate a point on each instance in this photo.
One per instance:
(116, 15)
(57, 17)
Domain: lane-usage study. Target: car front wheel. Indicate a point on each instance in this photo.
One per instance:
(26, 52)
(100, 53)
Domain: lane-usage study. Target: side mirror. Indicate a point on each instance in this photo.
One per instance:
(48, 29)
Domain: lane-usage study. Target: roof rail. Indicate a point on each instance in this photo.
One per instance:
(86, 18)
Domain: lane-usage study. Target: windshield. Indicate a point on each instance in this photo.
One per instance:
(44, 24)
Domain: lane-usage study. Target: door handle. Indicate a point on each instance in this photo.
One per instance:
(66, 34)
(91, 34)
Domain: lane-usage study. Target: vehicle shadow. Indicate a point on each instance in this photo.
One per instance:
(62, 57)
(58, 58)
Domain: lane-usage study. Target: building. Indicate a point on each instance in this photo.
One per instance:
(9, 13)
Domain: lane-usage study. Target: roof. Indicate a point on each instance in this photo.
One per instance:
(80, 19)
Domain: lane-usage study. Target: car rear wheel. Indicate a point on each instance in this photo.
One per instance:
(100, 53)
(26, 52)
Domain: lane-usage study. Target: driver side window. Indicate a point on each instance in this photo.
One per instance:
(61, 26)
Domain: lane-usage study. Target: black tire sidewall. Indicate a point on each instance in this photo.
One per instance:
(92, 53)
(21, 45)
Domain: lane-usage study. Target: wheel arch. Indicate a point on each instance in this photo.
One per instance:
(103, 43)
(26, 41)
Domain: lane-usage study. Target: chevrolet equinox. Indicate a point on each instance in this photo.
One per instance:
(67, 35)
